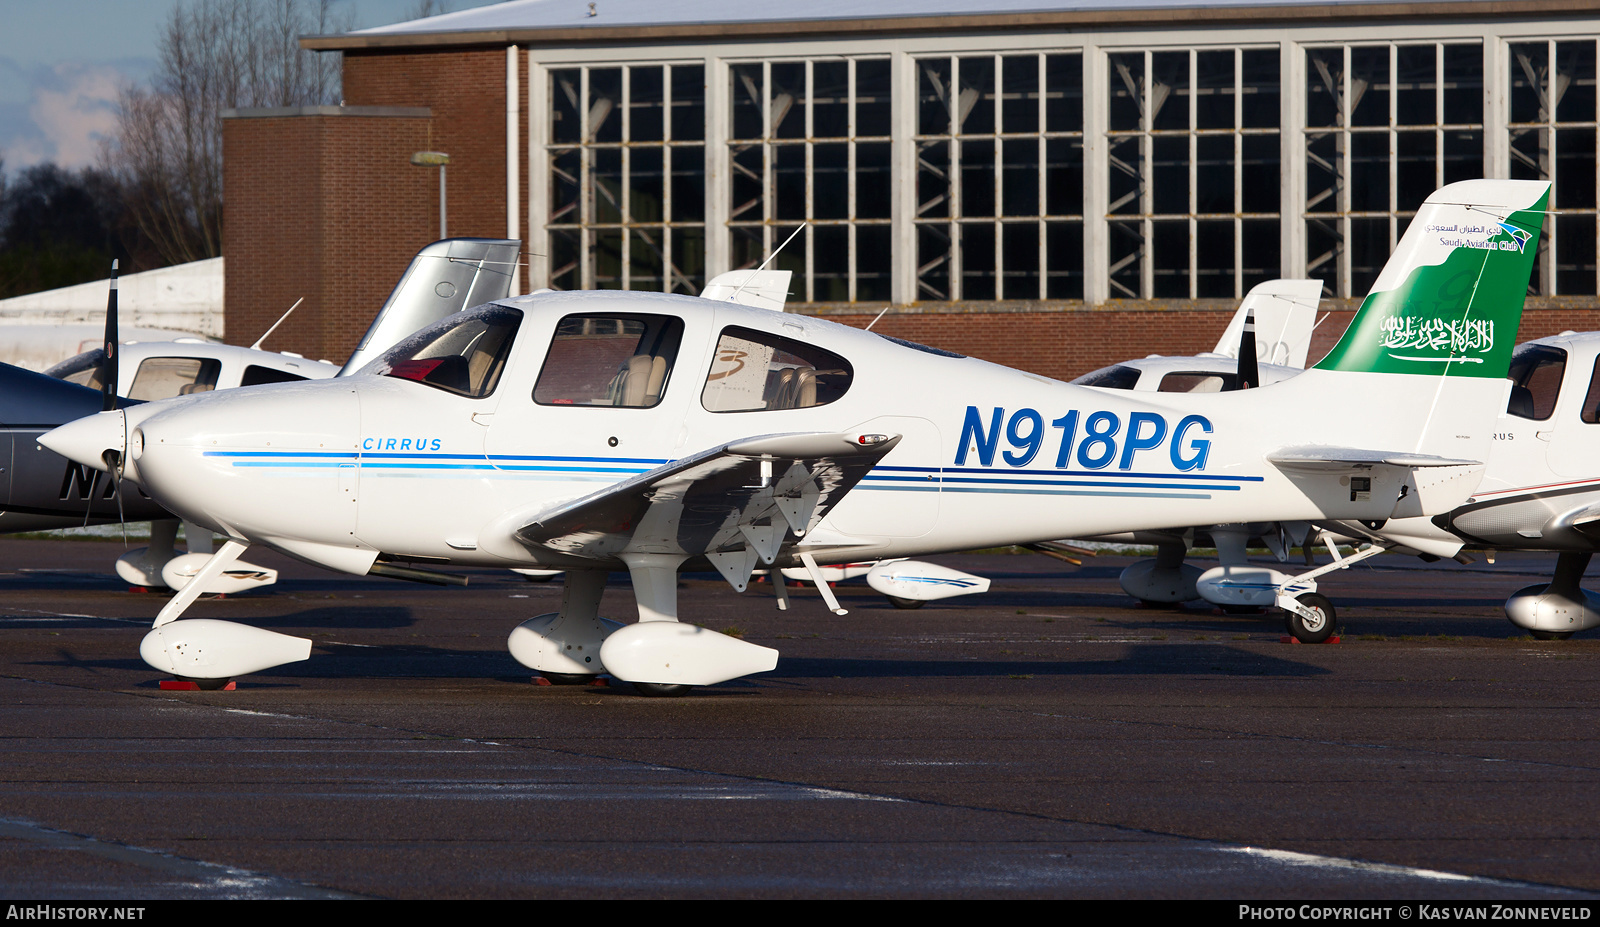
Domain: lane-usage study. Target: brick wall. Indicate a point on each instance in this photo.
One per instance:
(466, 91)
(1072, 339)
(325, 207)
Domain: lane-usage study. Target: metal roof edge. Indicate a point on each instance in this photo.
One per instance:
(279, 112)
(1077, 19)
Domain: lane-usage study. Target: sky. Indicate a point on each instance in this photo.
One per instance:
(63, 61)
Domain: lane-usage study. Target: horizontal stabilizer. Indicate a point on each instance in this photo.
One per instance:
(1321, 459)
(1367, 485)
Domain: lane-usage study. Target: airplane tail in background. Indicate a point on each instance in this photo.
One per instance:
(1285, 313)
(445, 277)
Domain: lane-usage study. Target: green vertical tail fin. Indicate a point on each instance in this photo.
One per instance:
(1450, 299)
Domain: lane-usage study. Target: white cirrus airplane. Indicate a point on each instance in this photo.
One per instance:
(1540, 491)
(599, 431)
(445, 277)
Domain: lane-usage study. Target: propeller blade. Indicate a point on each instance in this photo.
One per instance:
(108, 366)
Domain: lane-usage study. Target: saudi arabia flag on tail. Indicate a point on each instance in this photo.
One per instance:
(1450, 299)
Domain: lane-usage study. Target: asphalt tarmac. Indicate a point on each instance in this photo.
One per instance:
(1048, 739)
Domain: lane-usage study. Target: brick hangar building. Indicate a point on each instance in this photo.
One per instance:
(1051, 184)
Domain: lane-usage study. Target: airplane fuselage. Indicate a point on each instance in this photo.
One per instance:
(338, 471)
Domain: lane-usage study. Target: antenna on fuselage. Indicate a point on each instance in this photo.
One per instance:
(257, 345)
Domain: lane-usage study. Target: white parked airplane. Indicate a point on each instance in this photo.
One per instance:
(594, 431)
(445, 277)
(1541, 490)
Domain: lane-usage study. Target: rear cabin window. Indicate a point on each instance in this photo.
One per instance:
(255, 375)
(1118, 377)
(1536, 371)
(1198, 382)
(754, 371)
(166, 377)
(462, 354)
(618, 360)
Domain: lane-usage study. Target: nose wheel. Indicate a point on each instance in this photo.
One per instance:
(1314, 621)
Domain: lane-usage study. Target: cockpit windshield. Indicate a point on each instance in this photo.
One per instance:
(463, 354)
(1114, 377)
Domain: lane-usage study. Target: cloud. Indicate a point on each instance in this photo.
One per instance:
(60, 112)
(74, 115)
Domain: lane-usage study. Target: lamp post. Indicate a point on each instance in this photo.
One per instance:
(435, 159)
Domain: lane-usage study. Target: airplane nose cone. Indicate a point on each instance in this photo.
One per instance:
(87, 440)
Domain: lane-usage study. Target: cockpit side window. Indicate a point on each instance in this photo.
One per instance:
(166, 377)
(609, 359)
(1198, 382)
(1536, 371)
(462, 354)
(1116, 377)
(754, 371)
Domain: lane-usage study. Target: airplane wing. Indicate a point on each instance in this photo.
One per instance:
(744, 501)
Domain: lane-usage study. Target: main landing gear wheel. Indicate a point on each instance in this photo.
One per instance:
(568, 679)
(207, 685)
(1550, 635)
(661, 689)
(1316, 629)
(898, 602)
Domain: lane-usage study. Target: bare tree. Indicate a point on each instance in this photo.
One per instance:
(214, 55)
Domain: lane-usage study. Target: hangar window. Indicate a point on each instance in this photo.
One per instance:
(753, 371)
(627, 178)
(1193, 163)
(809, 158)
(609, 360)
(999, 150)
(1553, 137)
(1386, 125)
